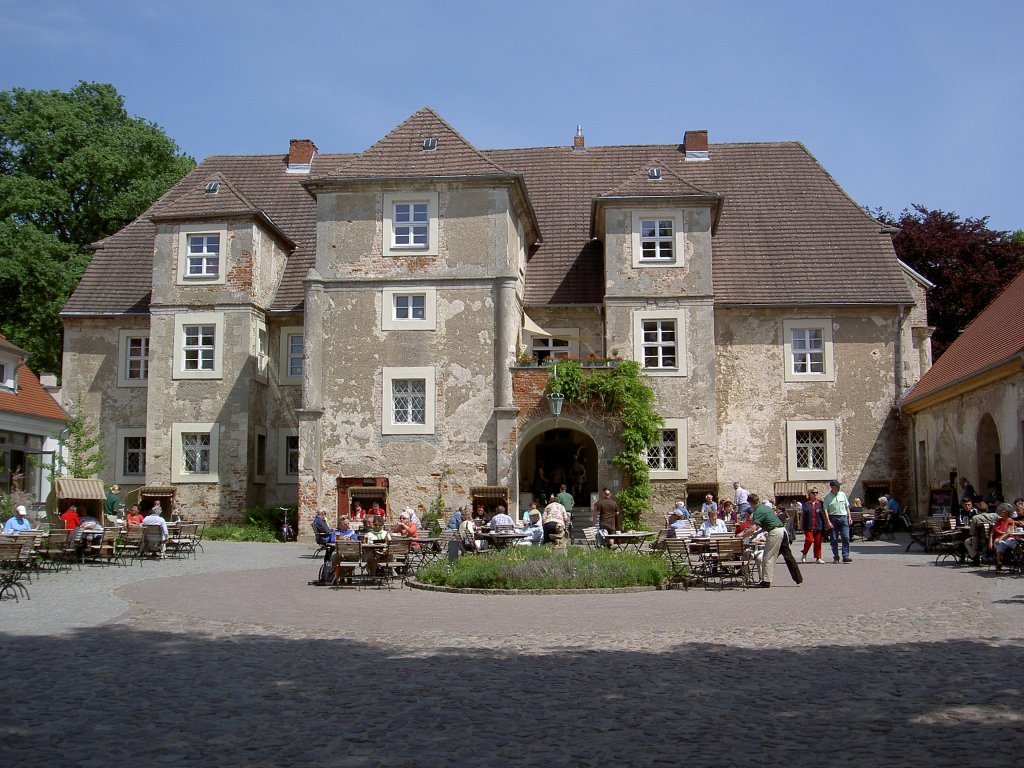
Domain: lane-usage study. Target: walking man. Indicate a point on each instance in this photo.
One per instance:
(742, 500)
(837, 507)
(776, 542)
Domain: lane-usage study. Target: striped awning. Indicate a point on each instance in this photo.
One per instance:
(791, 488)
(79, 488)
(702, 488)
(489, 493)
(368, 492)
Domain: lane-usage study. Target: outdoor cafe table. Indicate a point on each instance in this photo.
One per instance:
(501, 539)
(623, 541)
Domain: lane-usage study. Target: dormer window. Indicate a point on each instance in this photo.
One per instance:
(410, 224)
(7, 376)
(202, 253)
(429, 144)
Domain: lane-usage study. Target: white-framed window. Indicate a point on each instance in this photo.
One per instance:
(292, 354)
(666, 457)
(405, 309)
(130, 455)
(194, 452)
(811, 449)
(408, 402)
(133, 357)
(259, 469)
(262, 352)
(564, 342)
(201, 249)
(287, 455)
(4, 367)
(808, 349)
(410, 223)
(658, 238)
(198, 345)
(659, 341)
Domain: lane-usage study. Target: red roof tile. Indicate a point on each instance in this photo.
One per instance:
(30, 399)
(993, 337)
(787, 235)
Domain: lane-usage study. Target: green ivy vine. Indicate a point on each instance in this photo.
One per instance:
(621, 391)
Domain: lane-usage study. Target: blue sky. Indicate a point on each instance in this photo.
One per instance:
(903, 102)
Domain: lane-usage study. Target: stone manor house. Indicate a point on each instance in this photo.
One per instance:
(322, 328)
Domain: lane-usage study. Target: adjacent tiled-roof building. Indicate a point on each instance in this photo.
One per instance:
(967, 410)
(360, 315)
(30, 421)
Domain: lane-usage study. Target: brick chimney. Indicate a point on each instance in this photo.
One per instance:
(695, 144)
(578, 142)
(300, 155)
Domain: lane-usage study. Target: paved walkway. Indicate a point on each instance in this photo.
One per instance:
(233, 659)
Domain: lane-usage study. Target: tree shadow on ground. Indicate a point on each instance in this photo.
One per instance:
(113, 695)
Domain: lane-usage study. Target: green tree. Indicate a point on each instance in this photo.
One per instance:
(74, 168)
(968, 262)
(83, 444)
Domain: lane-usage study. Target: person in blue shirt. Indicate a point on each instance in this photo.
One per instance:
(19, 522)
(453, 523)
(534, 528)
(342, 532)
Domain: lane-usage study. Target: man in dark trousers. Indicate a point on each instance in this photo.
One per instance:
(776, 542)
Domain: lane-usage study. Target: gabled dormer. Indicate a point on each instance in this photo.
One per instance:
(10, 358)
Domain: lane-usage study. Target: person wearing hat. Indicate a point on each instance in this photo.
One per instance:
(837, 507)
(71, 518)
(532, 527)
(19, 522)
(502, 519)
(680, 507)
(406, 527)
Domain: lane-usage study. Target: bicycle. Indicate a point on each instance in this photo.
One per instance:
(287, 532)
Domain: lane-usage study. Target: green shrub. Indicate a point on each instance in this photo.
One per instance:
(271, 519)
(235, 532)
(546, 568)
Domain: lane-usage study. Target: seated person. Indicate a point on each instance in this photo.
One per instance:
(19, 522)
(999, 538)
(376, 534)
(90, 531)
(502, 520)
(713, 524)
(134, 517)
(320, 526)
(155, 518)
(708, 505)
(406, 527)
(342, 533)
(467, 534)
(727, 511)
(527, 512)
(976, 543)
(679, 507)
(454, 520)
(71, 518)
(678, 523)
(534, 529)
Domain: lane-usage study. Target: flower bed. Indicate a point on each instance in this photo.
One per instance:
(547, 568)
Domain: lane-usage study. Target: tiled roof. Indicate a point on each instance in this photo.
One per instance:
(787, 233)
(401, 153)
(667, 184)
(30, 399)
(995, 336)
(195, 202)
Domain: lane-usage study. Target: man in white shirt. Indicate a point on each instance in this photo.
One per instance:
(534, 529)
(713, 524)
(741, 501)
(154, 518)
(502, 519)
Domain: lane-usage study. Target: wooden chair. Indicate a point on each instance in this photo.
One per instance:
(681, 567)
(729, 562)
(11, 570)
(590, 537)
(152, 541)
(129, 546)
(184, 541)
(395, 562)
(104, 549)
(55, 551)
(348, 559)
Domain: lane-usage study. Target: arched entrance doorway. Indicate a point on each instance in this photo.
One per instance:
(550, 456)
(990, 468)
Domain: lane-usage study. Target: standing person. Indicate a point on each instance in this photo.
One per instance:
(578, 477)
(966, 491)
(742, 500)
(110, 504)
(565, 498)
(606, 512)
(776, 542)
(812, 520)
(837, 507)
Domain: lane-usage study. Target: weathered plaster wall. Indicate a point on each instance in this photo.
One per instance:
(755, 402)
(90, 379)
(950, 432)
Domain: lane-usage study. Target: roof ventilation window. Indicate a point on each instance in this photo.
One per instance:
(429, 144)
(654, 173)
(213, 187)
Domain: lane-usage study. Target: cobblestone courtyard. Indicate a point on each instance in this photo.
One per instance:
(233, 659)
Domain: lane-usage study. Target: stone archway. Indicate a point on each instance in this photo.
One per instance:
(548, 456)
(989, 455)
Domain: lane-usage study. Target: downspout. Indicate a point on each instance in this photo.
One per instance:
(899, 354)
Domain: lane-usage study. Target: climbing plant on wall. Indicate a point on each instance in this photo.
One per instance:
(622, 392)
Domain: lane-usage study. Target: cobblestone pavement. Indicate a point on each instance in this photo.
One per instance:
(234, 659)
